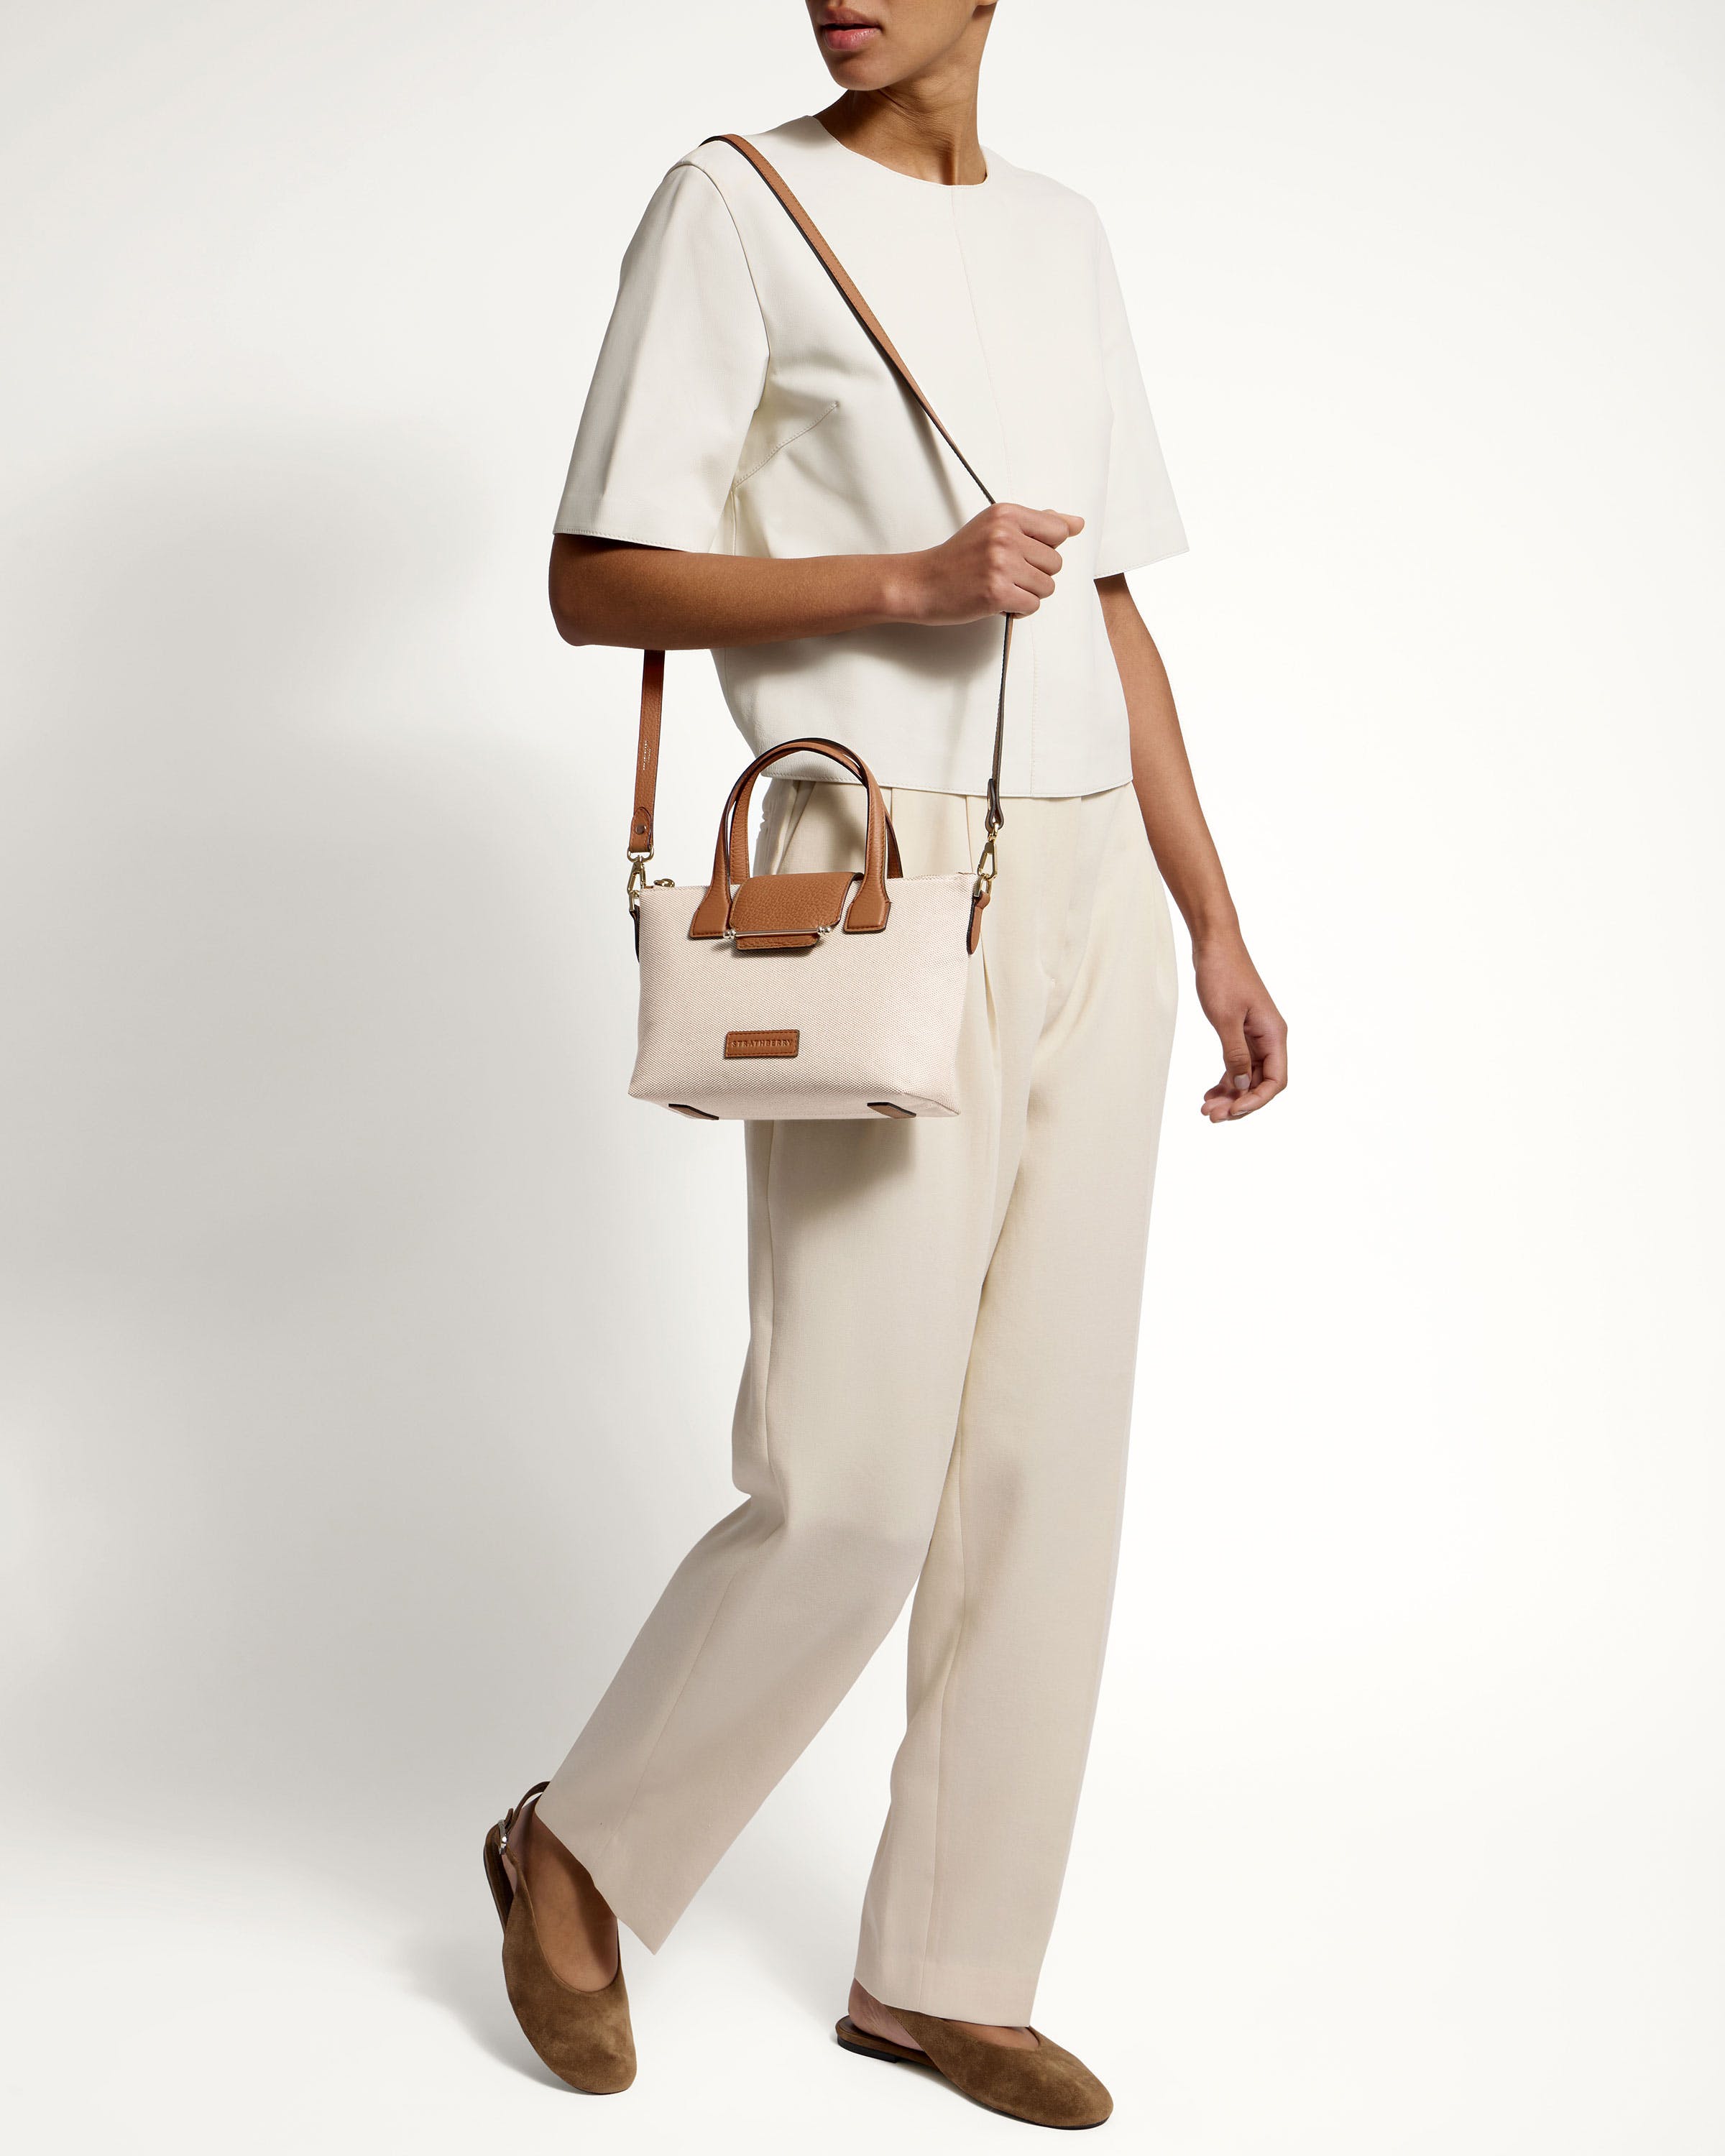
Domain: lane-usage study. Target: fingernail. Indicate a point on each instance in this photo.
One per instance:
(1242, 1083)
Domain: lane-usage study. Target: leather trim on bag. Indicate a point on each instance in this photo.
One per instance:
(683, 1108)
(973, 932)
(782, 1043)
(892, 1108)
(869, 909)
(788, 912)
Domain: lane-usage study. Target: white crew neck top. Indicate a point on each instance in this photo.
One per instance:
(738, 408)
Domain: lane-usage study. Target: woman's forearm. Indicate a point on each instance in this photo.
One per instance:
(1230, 990)
(604, 592)
(1162, 774)
(1004, 561)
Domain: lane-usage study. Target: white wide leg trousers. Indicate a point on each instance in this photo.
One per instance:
(944, 1319)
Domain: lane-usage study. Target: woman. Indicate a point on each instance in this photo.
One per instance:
(943, 1314)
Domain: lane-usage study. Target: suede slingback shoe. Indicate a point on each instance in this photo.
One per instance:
(1046, 2086)
(583, 2036)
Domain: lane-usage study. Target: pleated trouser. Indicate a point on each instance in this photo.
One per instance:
(944, 1320)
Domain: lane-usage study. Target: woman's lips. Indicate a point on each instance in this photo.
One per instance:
(847, 37)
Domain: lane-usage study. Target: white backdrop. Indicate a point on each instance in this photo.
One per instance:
(342, 1455)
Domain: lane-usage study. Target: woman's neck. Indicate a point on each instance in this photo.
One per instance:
(925, 130)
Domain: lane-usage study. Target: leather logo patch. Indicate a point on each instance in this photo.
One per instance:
(761, 1043)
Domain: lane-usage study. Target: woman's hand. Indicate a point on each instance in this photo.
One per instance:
(1004, 561)
(1252, 1031)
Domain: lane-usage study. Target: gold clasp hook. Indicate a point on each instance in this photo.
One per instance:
(987, 869)
(638, 880)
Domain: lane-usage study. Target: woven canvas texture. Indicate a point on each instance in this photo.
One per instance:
(877, 1016)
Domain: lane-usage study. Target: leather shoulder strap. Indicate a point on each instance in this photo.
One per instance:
(640, 829)
(853, 299)
(640, 822)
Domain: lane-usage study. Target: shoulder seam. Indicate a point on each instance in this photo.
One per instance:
(688, 164)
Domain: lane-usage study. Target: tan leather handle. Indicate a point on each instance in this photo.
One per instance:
(744, 789)
(640, 828)
(868, 911)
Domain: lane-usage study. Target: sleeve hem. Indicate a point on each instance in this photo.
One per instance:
(629, 531)
(1138, 550)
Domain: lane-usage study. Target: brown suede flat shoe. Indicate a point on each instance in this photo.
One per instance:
(1046, 2086)
(583, 2036)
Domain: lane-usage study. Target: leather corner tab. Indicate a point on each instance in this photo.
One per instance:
(683, 1108)
(707, 921)
(783, 1042)
(892, 1108)
(973, 933)
(865, 919)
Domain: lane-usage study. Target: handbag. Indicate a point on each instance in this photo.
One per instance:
(784, 997)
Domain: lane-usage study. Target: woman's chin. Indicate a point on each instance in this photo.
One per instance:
(855, 72)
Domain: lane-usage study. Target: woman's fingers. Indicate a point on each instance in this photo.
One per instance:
(1236, 1056)
(1004, 560)
(1267, 1071)
(1269, 1075)
(1039, 565)
(1222, 1102)
(1269, 1037)
(1261, 1091)
(1038, 583)
(1052, 526)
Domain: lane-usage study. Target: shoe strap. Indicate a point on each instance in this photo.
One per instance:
(515, 1812)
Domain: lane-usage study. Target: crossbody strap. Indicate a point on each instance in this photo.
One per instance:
(640, 827)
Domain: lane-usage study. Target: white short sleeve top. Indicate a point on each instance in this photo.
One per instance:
(737, 406)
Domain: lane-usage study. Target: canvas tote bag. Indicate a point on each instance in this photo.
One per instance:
(785, 997)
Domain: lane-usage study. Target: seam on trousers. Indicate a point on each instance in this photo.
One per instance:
(1075, 981)
(973, 805)
(771, 1142)
(759, 1551)
(940, 1740)
(960, 1629)
(957, 1469)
